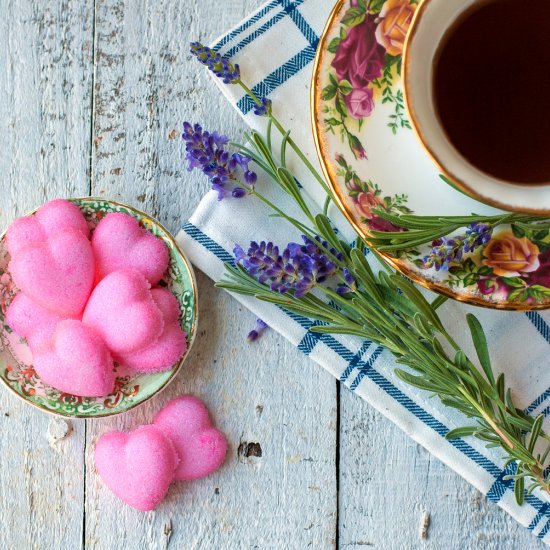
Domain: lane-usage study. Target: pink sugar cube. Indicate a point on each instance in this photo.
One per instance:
(138, 466)
(200, 446)
(171, 344)
(49, 219)
(75, 361)
(120, 243)
(122, 310)
(30, 320)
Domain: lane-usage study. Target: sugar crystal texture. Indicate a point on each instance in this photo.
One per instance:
(122, 310)
(200, 446)
(171, 344)
(138, 467)
(120, 243)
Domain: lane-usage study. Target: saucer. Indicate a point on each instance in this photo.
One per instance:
(372, 159)
(131, 389)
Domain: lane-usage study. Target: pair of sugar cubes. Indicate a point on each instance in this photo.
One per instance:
(85, 303)
(180, 444)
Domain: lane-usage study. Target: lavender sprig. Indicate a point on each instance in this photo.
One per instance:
(264, 109)
(298, 268)
(206, 151)
(230, 73)
(387, 309)
(220, 66)
(447, 250)
(259, 327)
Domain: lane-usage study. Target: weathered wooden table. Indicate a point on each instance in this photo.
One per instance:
(92, 97)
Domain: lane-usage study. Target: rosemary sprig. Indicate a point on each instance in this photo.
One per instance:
(389, 310)
(425, 229)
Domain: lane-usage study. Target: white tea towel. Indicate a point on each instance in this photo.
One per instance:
(275, 48)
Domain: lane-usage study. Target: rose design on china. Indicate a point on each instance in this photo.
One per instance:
(506, 266)
(367, 58)
(395, 19)
(367, 199)
(362, 73)
(509, 256)
(359, 60)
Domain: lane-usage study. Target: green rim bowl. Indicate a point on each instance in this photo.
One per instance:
(131, 389)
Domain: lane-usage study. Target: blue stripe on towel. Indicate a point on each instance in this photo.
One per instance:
(245, 25)
(301, 23)
(287, 11)
(278, 77)
(310, 340)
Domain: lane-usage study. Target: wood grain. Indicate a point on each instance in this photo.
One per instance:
(388, 482)
(45, 115)
(94, 95)
(145, 86)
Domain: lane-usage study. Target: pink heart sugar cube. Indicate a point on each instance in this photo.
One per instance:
(49, 219)
(57, 273)
(171, 344)
(120, 243)
(30, 320)
(138, 467)
(200, 446)
(75, 361)
(123, 312)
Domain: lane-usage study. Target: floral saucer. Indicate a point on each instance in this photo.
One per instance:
(372, 160)
(131, 389)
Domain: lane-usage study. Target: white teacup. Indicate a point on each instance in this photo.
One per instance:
(431, 21)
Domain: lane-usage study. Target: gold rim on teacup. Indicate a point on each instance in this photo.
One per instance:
(430, 22)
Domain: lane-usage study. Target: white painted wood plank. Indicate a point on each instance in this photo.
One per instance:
(388, 482)
(45, 85)
(146, 85)
(266, 394)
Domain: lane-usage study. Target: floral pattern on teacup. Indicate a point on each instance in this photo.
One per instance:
(361, 71)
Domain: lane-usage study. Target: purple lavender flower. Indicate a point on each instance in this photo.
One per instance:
(258, 329)
(206, 151)
(349, 286)
(298, 268)
(220, 66)
(263, 109)
(448, 250)
(477, 234)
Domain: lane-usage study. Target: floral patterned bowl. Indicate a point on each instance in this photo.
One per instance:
(131, 389)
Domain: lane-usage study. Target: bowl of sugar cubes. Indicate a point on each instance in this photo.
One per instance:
(98, 307)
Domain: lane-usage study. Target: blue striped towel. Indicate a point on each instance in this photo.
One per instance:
(275, 48)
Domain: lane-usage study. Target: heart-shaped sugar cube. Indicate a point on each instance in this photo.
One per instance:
(138, 467)
(171, 344)
(51, 218)
(76, 361)
(120, 243)
(31, 321)
(200, 447)
(123, 312)
(57, 273)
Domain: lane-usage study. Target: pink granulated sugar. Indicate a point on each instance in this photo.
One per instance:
(138, 467)
(120, 243)
(75, 361)
(171, 344)
(200, 446)
(31, 321)
(123, 312)
(57, 273)
(49, 219)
